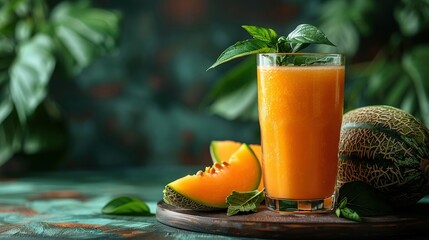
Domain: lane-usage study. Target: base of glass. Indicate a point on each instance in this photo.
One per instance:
(300, 206)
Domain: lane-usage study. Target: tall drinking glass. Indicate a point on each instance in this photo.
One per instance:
(300, 104)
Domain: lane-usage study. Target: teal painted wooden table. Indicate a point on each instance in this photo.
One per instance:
(67, 205)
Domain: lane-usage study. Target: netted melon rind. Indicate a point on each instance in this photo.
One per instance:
(386, 148)
(176, 199)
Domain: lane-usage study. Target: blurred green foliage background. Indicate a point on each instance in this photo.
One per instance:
(108, 84)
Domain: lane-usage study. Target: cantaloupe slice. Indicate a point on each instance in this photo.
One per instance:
(221, 151)
(208, 189)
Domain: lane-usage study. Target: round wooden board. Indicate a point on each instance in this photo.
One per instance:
(267, 224)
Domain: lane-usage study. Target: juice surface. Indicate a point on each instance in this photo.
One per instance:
(300, 113)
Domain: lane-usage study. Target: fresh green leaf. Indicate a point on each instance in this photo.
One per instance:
(244, 48)
(244, 201)
(338, 212)
(264, 34)
(350, 214)
(364, 199)
(283, 45)
(304, 35)
(343, 203)
(125, 205)
(264, 41)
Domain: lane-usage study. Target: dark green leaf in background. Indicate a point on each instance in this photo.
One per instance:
(235, 94)
(415, 64)
(30, 74)
(242, 103)
(11, 134)
(412, 16)
(83, 33)
(125, 205)
(30, 46)
(364, 199)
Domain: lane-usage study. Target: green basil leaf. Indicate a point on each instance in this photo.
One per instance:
(244, 48)
(364, 199)
(125, 205)
(350, 214)
(264, 34)
(304, 35)
(244, 201)
(338, 212)
(283, 45)
(343, 203)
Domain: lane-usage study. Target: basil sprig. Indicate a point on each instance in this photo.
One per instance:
(266, 40)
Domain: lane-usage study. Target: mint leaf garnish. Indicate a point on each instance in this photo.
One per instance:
(244, 201)
(266, 40)
(125, 205)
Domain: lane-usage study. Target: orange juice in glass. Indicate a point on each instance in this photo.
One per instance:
(300, 104)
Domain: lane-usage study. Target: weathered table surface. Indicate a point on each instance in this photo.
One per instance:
(67, 205)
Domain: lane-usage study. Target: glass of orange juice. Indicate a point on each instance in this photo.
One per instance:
(300, 105)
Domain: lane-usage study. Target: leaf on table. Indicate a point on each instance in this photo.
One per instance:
(244, 201)
(126, 205)
(350, 214)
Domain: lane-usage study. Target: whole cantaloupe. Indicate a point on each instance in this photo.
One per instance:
(388, 149)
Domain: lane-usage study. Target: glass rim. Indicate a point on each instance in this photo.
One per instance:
(300, 59)
(302, 54)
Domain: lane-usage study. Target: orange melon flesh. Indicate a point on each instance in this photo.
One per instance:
(221, 151)
(241, 173)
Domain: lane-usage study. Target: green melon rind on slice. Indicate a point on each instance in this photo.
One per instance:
(259, 168)
(213, 152)
(176, 199)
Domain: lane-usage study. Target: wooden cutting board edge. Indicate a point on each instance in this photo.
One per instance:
(267, 224)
